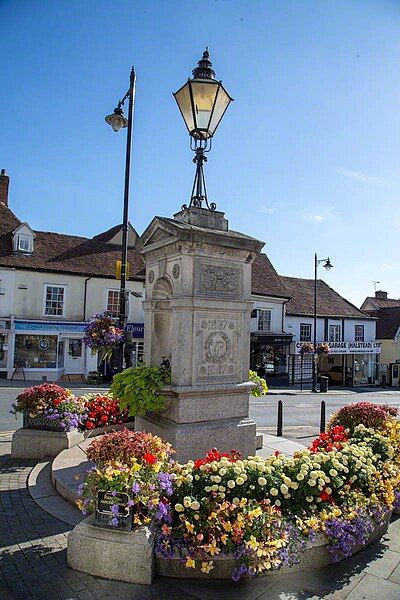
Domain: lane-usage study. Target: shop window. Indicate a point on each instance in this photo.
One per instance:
(305, 332)
(113, 303)
(334, 333)
(54, 300)
(358, 333)
(264, 320)
(3, 351)
(35, 351)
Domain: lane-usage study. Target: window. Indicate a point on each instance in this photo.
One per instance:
(358, 333)
(334, 333)
(113, 303)
(264, 320)
(24, 243)
(305, 332)
(35, 351)
(54, 300)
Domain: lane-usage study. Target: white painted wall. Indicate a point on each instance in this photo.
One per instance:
(276, 307)
(25, 295)
(7, 283)
(292, 325)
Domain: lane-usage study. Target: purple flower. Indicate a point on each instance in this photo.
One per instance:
(396, 505)
(114, 522)
(115, 510)
(136, 487)
(165, 483)
(130, 502)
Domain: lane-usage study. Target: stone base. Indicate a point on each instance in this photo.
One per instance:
(37, 443)
(193, 440)
(120, 555)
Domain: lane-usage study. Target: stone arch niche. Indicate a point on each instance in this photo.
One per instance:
(197, 314)
(162, 294)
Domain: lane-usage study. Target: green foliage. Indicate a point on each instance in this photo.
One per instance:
(137, 389)
(261, 388)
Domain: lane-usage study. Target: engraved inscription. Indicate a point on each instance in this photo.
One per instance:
(215, 280)
(217, 348)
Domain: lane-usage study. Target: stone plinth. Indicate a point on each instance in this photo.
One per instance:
(112, 554)
(197, 314)
(38, 443)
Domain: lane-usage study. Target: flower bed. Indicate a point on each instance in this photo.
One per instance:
(252, 515)
(51, 407)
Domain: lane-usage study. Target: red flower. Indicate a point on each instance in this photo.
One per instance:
(277, 452)
(149, 458)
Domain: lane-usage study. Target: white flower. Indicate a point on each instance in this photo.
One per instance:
(179, 508)
(231, 484)
(284, 488)
(240, 481)
(262, 481)
(187, 501)
(273, 492)
(195, 505)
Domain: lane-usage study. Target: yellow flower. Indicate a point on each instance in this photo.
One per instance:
(212, 548)
(189, 527)
(190, 563)
(206, 567)
(79, 504)
(252, 543)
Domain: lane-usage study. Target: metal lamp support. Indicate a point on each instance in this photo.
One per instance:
(199, 190)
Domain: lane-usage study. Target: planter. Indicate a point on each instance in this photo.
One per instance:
(40, 421)
(314, 556)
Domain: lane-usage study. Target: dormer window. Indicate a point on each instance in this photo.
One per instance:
(23, 238)
(24, 243)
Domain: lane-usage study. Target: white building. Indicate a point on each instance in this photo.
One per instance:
(50, 284)
(350, 334)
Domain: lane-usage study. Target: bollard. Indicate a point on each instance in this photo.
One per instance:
(280, 419)
(323, 417)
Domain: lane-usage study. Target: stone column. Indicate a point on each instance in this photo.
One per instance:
(197, 314)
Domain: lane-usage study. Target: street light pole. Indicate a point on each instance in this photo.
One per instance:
(328, 266)
(117, 122)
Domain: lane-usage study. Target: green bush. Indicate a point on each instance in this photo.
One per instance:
(137, 389)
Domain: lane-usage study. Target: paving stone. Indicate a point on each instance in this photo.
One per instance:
(384, 565)
(371, 587)
(395, 576)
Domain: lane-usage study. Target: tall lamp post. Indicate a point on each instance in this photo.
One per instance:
(328, 266)
(202, 101)
(118, 121)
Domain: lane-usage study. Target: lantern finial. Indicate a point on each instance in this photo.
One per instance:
(203, 69)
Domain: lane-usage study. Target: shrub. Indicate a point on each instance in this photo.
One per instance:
(102, 410)
(35, 400)
(124, 445)
(365, 413)
(138, 389)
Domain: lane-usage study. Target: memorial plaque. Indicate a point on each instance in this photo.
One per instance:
(218, 281)
(104, 516)
(216, 348)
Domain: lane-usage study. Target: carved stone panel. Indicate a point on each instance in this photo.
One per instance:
(218, 281)
(216, 348)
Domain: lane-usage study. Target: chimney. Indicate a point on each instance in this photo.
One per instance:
(381, 295)
(4, 183)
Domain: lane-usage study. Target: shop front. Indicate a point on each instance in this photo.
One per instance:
(270, 352)
(348, 363)
(47, 350)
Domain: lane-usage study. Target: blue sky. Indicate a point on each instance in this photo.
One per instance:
(306, 158)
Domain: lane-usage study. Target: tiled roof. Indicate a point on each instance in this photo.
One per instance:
(329, 304)
(388, 322)
(265, 281)
(66, 253)
(380, 302)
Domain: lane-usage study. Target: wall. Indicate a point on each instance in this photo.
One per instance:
(29, 302)
(292, 325)
(7, 282)
(390, 351)
(275, 305)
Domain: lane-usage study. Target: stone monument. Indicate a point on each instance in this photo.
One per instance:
(197, 316)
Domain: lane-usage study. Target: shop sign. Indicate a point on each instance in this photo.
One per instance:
(137, 329)
(347, 347)
(45, 326)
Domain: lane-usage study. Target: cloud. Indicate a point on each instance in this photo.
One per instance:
(316, 218)
(365, 178)
(397, 222)
(268, 210)
(385, 266)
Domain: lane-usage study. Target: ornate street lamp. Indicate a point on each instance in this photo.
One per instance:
(328, 266)
(202, 102)
(118, 121)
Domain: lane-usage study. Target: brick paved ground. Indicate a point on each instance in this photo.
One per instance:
(33, 562)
